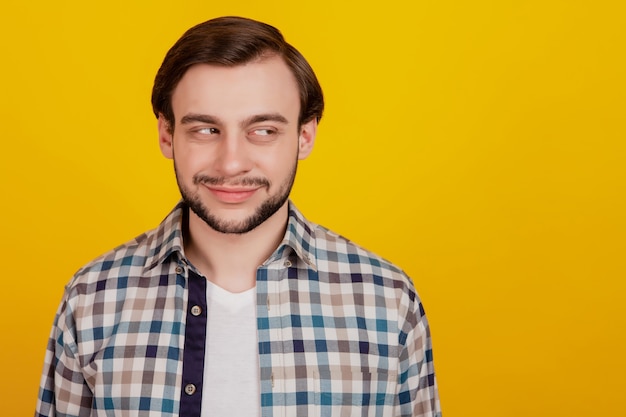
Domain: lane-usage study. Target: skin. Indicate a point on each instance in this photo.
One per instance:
(235, 146)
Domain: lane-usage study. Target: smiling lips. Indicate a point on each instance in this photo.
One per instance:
(232, 195)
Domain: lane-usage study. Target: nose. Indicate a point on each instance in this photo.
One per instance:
(232, 156)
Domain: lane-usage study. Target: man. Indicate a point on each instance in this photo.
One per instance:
(236, 305)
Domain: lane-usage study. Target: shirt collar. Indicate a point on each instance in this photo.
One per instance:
(299, 236)
(167, 239)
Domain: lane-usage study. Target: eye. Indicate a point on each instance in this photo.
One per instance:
(263, 132)
(208, 131)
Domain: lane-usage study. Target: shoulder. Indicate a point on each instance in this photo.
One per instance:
(137, 258)
(340, 260)
(125, 260)
(336, 249)
(344, 259)
(361, 280)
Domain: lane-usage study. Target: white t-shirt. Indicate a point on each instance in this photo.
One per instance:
(231, 360)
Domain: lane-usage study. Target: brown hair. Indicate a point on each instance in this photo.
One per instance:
(231, 41)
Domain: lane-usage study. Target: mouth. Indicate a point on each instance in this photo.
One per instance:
(232, 195)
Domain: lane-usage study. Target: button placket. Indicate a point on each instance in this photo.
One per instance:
(195, 335)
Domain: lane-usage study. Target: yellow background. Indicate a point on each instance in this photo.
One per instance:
(478, 144)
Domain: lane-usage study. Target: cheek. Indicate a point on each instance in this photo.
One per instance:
(278, 164)
(191, 160)
(186, 168)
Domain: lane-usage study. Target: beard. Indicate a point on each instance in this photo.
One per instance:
(263, 212)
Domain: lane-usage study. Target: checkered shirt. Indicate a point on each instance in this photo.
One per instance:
(341, 332)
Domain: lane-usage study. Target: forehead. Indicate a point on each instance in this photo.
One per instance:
(234, 93)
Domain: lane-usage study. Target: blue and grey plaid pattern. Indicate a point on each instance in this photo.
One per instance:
(341, 332)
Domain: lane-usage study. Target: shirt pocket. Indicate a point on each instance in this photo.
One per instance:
(348, 393)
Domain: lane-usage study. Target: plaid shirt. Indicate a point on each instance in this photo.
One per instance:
(341, 332)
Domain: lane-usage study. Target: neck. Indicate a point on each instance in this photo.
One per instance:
(231, 260)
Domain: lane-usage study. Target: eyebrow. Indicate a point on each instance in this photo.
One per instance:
(267, 117)
(257, 118)
(203, 118)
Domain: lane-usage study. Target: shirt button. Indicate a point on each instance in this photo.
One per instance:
(179, 270)
(190, 389)
(196, 310)
(287, 263)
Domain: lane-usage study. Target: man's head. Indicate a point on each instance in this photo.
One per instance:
(228, 42)
(237, 107)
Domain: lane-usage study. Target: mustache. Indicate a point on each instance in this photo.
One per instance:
(219, 181)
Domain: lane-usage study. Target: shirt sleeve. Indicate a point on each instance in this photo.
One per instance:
(63, 391)
(418, 395)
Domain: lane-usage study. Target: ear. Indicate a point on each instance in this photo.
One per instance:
(307, 138)
(165, 138)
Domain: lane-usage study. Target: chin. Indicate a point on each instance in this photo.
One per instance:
(236, 220)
